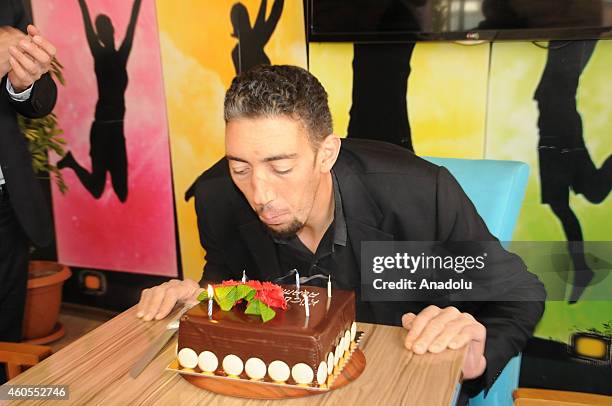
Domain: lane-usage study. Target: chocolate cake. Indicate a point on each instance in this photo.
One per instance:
(290, 348)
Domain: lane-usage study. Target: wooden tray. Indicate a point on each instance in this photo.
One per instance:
(243, 388)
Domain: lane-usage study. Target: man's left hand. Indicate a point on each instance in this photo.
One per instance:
(29, 60)
(435, 329)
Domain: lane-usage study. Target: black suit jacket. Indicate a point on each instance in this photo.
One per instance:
(387, 194)
(26, 196)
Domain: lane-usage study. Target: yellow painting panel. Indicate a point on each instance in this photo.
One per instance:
(447, 93)
(196, 42)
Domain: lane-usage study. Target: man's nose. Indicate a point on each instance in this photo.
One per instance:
(262, 190)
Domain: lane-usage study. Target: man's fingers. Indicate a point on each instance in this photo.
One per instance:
(158, 295)
(32, 30)
(17, 75)
(407, 320)
(452, 329)
(142, 303)
(167, 304)
(473, 332)
(37, 54)
(157, 302)
(419, 323)
(26, 63)
(45, 45)
(434, 328)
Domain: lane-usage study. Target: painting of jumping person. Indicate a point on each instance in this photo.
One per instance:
(107, 140)
(249, 51)
(565, 162)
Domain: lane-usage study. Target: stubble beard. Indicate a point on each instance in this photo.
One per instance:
(286, 232)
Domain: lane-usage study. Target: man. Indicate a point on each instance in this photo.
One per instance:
(28, 90)
(289, 194)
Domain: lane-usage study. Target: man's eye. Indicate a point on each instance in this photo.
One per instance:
(240, 171)
(282, 171)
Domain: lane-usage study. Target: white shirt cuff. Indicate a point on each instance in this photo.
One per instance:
(23, 96)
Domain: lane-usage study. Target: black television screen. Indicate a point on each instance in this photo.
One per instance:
(422, 20)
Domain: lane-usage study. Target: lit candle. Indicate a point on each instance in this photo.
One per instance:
(211, 294)
(329, 286)
(306, 307)
(243, 276)
(297, 279)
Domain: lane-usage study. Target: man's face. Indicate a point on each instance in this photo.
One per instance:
(273, 164)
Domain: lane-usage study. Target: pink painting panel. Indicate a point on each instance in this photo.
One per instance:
(126, 225)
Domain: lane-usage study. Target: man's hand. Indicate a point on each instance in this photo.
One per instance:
(29, 59)
(436, 329)
(9, 36)
(157, 302)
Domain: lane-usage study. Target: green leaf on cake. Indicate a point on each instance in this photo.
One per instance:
(253, 307)
(203, 295)
(244, 291)
(226, 297)
(267, 313)
(259, 308)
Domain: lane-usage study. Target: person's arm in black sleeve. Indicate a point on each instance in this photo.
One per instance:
(41, 101)
(44, 92)
(509, 323)
(215, 268)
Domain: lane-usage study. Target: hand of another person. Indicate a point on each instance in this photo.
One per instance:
(29, 59)
(435, 329)
(157, 302)
(9, 36)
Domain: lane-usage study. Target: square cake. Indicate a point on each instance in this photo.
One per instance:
(292, 347)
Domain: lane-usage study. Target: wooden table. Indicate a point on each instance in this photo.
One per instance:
(96, 368)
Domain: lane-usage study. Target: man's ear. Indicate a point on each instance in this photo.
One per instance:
(328, 152)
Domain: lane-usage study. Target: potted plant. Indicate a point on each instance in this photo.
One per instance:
(45, 278)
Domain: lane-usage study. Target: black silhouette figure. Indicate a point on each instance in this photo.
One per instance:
(565, 162)
(107, 140)
(379, 107)
(249, 51)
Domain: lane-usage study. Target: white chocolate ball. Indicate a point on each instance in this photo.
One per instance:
(353, 331)
(343, 345)
(322, 373)
(347, 339)
(255, 368)
(330, 363)
(232, 365)
(188, 358)
(337, 354)
(302, 373)
(279, 371)
(207, 361)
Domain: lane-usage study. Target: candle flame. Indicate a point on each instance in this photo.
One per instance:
(210, 291)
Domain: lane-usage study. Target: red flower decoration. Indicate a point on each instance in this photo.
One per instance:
(272, 295)
(269, 293)
(229, 282)
(254, 284)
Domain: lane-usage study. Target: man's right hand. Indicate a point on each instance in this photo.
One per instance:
(9, 36)
(157, 302)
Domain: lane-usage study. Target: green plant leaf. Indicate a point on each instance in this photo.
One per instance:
(42, 137)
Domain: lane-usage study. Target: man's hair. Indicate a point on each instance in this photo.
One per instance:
(280, 90)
